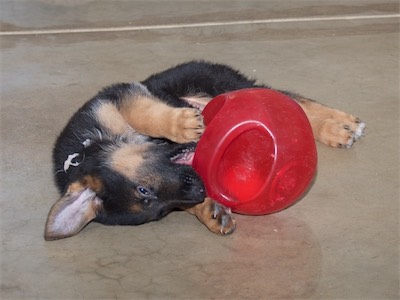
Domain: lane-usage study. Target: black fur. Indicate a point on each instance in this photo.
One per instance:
(95, 188)
(196, 77)
(180, 185)
(161, 185)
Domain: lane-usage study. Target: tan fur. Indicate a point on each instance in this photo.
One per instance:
(155, 118)
(75, 187)
(110, 117)
(94, 183)
(128, 159)
(136, 208)
(330, 126)
(205, 212)
(87, 182)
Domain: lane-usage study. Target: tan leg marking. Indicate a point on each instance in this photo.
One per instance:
(331, 126)
(216, 217)
(157, 119)
(110, 117)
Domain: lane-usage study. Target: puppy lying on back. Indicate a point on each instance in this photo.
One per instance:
(125, 156)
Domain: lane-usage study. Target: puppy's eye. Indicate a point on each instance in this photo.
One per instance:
(143, 191)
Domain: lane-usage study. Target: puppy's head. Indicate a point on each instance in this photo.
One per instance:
(126, 185)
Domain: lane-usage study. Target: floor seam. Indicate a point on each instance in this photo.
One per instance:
(200, 24)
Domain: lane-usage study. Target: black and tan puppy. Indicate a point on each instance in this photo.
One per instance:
(124, 157)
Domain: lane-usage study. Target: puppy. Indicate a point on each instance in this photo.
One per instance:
(124, 157)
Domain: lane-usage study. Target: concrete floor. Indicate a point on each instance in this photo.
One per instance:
(339, 242)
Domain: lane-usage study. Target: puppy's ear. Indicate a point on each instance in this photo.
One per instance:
(73, 211)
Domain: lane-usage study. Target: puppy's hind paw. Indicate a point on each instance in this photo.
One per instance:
(359, 130)
(356, 134)
(340, 130)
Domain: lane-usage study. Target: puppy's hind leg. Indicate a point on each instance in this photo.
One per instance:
(331, 126)
(215, 216)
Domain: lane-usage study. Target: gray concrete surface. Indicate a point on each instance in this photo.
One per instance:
(339, 242)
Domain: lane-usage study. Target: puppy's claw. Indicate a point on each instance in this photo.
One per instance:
(226, 228)
(188, 125)
(223, 216)
(356, 135)
(360, 130)
(216, 217)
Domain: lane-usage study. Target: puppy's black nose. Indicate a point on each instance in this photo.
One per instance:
(192, 185)
(202, 192)
(197, 190)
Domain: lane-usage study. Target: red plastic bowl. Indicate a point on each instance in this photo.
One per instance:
(257, 154)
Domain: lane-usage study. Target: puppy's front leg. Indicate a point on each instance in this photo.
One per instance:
(155, 118)
(215, 216)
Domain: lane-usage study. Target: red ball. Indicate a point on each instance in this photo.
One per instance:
(257, 154)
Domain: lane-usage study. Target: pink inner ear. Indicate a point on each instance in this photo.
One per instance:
(198, 102)
(71, 213)
(185, 158)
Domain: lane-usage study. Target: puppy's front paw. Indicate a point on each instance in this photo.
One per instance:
(222, 221)
(215, 216)
(187, 125)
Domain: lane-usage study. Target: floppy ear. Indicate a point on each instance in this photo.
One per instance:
(73, 211)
